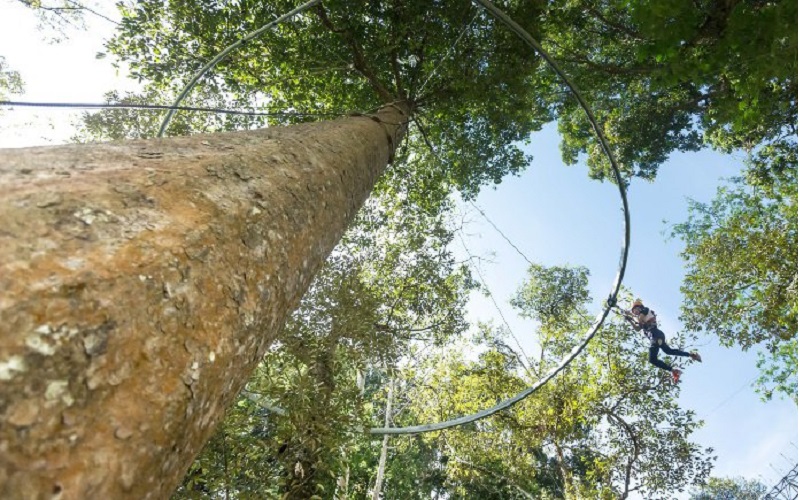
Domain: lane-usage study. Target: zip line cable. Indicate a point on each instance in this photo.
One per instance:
(227, 50)
(523, 357)
(86, 105)
(730, 397)
(515, 247)
(612, 297)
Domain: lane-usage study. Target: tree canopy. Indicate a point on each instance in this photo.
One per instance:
(662, 77)
(704, 81)
(675, 76)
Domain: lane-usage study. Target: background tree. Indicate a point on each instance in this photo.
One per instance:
(730, 489)
(741, 256)
(608, 426)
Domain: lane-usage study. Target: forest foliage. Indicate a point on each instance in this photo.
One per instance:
(389, 305)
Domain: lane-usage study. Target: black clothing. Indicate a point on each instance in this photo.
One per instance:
(659, 341)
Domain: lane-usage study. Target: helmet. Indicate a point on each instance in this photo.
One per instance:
(637, 303)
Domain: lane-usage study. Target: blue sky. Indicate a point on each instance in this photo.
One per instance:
(553, 213)
(556, 215)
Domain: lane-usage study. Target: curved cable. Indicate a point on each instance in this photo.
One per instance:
(612, 297)
(227, 50)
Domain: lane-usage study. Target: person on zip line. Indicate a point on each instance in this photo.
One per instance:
(643, 318)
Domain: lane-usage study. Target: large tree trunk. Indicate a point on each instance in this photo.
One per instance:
(140, 283)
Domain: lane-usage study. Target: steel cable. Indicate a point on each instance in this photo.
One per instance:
(617, 283)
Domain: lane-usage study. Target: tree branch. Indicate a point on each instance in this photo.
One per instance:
(359, 61)
(619, 27)
(636, 450)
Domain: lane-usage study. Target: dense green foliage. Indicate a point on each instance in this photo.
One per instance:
(675, 76)
(662, 77)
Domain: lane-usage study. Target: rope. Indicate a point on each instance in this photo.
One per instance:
(85, 105)
(227, 50)
(610, 302)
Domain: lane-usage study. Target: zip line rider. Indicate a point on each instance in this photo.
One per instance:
(643, 318)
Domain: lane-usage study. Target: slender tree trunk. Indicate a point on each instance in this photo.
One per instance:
(140, 283)
(566, 474)
(225, 464)
(343, 486)
(376, 491)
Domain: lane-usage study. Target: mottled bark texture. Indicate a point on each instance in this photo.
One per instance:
(141, 282)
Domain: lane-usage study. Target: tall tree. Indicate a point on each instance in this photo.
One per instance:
(143, 282)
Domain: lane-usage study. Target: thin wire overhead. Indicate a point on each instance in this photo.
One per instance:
(85, 105)
(516, 248)
(447, 54)
(227, 50)
(522, 357)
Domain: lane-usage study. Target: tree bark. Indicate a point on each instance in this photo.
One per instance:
(142, 281)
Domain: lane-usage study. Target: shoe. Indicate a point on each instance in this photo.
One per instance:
(696, 357)
(676, 375)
